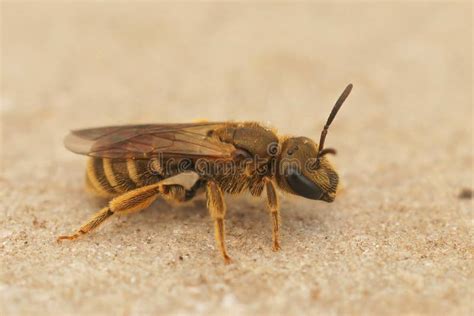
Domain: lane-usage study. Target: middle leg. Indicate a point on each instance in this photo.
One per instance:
(272, 201)
(217, 209)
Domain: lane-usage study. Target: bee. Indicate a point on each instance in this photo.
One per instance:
(133, 165)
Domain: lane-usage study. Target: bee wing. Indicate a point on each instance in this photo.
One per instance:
(151, 140)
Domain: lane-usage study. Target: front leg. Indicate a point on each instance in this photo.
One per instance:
(217, 209)
(272, 202)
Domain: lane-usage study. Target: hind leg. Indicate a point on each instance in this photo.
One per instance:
(129, 202)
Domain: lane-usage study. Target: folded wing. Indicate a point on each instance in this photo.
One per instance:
(191, 140)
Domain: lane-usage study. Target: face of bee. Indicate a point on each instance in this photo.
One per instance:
(300, 174)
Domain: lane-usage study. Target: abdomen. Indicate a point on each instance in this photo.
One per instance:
(111, 177)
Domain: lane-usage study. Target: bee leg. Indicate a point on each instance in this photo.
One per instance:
(217, 209)
(197, 188)
(92, 223)
(132, 201)
(272, 202)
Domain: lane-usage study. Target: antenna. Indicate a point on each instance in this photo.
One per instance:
(331, 117)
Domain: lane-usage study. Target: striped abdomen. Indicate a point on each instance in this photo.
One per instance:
(110, 177)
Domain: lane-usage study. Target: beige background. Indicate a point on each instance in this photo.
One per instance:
(398, 240)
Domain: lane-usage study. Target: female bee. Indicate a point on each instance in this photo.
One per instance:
(133, 165)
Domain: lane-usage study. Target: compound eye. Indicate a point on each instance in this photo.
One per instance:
(303, 186)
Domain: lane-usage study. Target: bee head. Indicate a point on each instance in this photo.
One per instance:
(303, 167)
(303, 174)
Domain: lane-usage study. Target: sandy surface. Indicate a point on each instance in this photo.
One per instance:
(398, 240)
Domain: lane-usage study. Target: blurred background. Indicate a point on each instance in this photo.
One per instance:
(395, 242)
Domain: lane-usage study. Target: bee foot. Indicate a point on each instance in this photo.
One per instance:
(276, 247)
(227, 260)
(68, 237)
